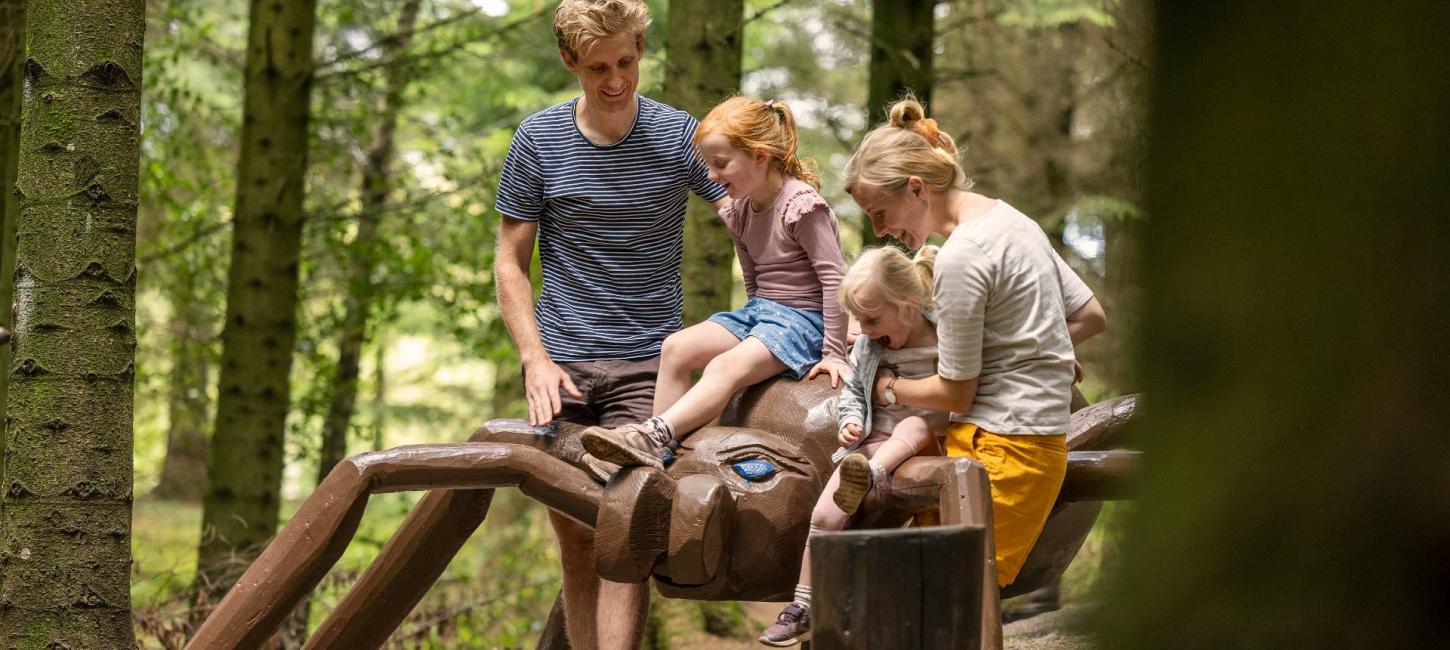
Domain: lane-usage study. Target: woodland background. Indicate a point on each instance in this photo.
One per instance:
(382, 243)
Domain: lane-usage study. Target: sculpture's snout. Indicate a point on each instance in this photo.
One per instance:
(650, 522)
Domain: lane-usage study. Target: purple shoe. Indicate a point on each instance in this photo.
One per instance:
(792, 626)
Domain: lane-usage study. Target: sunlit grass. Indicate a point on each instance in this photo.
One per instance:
(496, 592)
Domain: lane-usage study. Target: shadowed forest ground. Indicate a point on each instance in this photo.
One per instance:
(498, 590)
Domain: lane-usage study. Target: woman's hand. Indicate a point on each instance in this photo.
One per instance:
(849, 434)
(836, 369)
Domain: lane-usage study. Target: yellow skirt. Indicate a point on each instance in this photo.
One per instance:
(1026, 472)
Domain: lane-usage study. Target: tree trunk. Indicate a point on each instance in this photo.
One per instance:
(901, 62)
(362, 257)
(183, 472)
(1297, 294)
(380, 392)
(65, 531)
(701, 70)
(245, 466)
(12, 58)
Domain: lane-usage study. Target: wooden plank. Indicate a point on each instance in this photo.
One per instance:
(898, 588)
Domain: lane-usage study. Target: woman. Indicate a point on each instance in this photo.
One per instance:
(1009, 313)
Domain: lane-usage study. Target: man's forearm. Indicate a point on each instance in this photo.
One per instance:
(516, 305)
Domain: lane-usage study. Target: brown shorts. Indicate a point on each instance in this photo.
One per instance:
(616, 391)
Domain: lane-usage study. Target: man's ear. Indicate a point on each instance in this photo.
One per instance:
(568, 59)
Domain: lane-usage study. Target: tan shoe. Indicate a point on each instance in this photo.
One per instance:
(626, 445)
(598, 469)
(855, 483)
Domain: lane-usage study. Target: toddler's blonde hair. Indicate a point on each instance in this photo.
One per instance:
(887, 277)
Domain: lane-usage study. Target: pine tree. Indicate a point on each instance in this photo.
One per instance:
(703, 69)
(376, 181)
(12, 56)
(243, 499)
(65, 527)
(902, 34)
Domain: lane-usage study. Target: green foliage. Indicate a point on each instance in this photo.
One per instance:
(472, 77)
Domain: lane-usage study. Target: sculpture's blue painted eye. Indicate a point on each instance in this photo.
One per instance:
(754, 470)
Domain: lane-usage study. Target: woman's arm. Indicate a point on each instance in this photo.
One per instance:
(1088, 321)
(934, 393)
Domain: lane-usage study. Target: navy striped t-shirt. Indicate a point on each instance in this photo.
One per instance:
(611, 227)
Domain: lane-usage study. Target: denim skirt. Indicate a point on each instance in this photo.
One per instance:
(794, 336)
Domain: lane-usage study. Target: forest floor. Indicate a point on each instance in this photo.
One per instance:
(500, 587)
(1065, 629)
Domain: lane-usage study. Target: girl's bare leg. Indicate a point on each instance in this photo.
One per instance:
(746, 364)
(683, 353)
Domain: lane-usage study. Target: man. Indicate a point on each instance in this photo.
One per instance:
(601, 182)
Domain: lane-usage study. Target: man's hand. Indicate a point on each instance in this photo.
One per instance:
(1077, 372)
(542, 380)
(836, 369)
(849, 434)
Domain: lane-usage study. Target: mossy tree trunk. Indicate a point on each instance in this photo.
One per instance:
(65, 531)
(12, 58)
(246, 454)
(183, 472)
(362, 262)
(702, 68)
(902, 34)
(1297, 294)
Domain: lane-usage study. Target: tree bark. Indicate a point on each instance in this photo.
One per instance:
(380, 392)
(183, 472)
(1295, 284)
(902, 34)
(12, 58)
(376, 181)
(245, 459)
(65, 531)
(702, 69)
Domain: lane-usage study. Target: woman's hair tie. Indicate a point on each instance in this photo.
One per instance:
(926, 127)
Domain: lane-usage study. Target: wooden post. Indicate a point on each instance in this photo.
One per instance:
(902, 588)
(966, 499)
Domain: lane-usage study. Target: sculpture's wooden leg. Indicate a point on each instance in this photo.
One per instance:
(966, 498)
(291, 565)
(556, 634)
(404, 570)
(300, 556)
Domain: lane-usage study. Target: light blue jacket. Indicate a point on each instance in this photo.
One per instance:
(853, 405)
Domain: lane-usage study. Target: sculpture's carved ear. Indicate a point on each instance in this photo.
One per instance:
(700, 522)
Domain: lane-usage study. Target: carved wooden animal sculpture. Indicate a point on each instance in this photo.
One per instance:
(726, 520)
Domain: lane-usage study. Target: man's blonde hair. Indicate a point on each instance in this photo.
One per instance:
(578, 24)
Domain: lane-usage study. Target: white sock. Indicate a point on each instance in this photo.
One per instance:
(877, 471)
(803, 597)
(660, 431)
